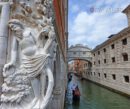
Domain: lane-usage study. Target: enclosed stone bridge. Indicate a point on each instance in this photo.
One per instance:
(79, 52)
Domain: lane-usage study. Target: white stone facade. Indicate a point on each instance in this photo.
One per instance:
(103, 72)
(59, 73)
(79, 52)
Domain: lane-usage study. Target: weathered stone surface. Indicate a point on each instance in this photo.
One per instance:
(33, 36)
(57, 101)
(3, 50)
(79, 52)
(3, 37)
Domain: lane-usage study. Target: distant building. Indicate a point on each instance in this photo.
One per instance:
(111, 61)
(80, 66)
(87, 69)
(71, 67)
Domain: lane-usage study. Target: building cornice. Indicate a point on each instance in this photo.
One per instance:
(79, 46)
(116, 36)
(127, 9)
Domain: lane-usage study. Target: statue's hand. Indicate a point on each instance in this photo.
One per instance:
(7, 66)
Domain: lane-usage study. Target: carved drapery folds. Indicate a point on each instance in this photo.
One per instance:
(34, 40)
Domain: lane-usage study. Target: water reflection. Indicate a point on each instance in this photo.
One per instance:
(96, 97)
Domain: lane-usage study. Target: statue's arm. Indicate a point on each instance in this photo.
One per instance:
(13, 55)
(49, 88)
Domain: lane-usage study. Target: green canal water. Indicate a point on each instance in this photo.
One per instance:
(97, 97)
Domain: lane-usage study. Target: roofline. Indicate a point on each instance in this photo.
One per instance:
(79, 46)
(126, 9)
(118, 35)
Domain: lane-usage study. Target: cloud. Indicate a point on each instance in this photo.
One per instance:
(93, 28)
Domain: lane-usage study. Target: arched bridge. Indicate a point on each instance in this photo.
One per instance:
(79, 52)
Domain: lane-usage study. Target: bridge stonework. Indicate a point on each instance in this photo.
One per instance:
(79, 52)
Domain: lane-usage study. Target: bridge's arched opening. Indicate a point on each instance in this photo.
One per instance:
(79, 59)
(79, 67)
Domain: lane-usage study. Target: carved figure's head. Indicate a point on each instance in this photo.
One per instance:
(45, 32)
(16, 26)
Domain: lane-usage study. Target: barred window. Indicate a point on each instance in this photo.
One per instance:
(124, 41)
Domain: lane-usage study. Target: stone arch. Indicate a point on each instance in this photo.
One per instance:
(77, 58)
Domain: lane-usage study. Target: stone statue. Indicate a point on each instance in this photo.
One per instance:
(25, 75)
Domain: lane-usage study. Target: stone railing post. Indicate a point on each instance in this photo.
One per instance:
(3, 37)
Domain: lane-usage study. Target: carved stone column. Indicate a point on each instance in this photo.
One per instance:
(63, 80)
(56, 101)
(3, 38)
(60, 82)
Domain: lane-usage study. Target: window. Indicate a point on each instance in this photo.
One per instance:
(94, 54)
(104, 60)
(125, 57)
(113, 59)
(114, 76)
(74, 52)
(84, 52)
(105, 75)
(99, 74)
(94, 73)
(94, 62)
(104, 49)
(91, 73)
(126, 79)
(124, 41)
(98, 61)
(98, 52)
(90, 65)
(112, 46)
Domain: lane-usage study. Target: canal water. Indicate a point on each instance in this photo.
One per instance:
(97, 97)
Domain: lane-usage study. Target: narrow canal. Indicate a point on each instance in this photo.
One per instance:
(96, 97)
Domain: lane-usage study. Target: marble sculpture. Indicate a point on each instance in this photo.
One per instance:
(26, 74)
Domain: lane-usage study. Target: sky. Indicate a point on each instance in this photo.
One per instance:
(92, 21)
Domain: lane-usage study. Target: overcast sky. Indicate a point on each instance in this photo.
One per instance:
(92, 21)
